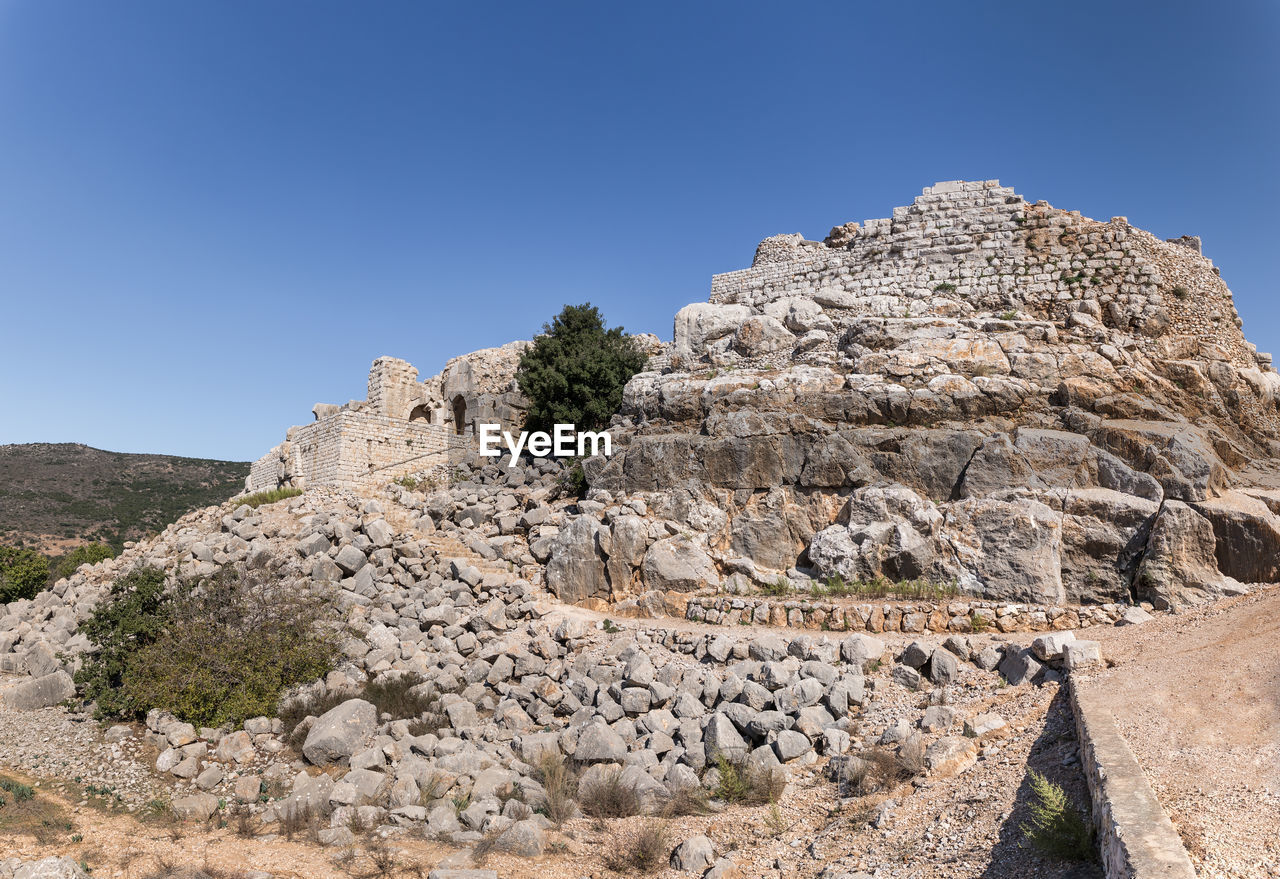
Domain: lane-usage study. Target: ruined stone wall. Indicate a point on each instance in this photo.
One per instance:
(393, 387)
(977, 249)
(350, 449)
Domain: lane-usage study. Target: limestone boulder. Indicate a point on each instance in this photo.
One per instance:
(41, 692)
(677, 564)
(340, 732)
(576, 568)
(702, 322)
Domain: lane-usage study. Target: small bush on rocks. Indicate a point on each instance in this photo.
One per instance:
(23, 573)
(89, 554)
(211, 652)
(130, 619)
(559, 782)
(1056, 828)
(400, 696)
(739, 784)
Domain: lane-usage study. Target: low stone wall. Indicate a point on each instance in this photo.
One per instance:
(1136, 839)
(909, 617)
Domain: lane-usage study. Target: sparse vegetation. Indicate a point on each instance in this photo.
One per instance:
(836, 586)
(560, 783)
(406, 482)
(944, 287)
(270, 496)
(1180, 292)
(609, 796)
(740, 784)
(646, 852)
(779, 588)
(1055, 827)
(213, 651)
(404, 697)
(24, 813)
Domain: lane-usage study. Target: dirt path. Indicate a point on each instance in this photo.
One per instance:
(1198, 697)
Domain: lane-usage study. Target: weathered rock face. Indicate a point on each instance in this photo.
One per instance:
(1036, 405)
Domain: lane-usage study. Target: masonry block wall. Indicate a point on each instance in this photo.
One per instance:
(977, 249)
(350, 449)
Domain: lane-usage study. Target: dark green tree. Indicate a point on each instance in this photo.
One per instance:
(575, 371)
(23, 573)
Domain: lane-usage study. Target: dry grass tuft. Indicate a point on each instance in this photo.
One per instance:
(560, 783)
(609, 796)
(646, 852)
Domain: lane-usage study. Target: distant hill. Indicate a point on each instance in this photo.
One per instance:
(54, 496)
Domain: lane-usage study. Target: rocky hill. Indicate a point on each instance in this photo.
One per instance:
(54, 496)
(1032, 404)
(858, 507)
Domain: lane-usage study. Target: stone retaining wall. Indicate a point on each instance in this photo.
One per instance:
(909, 617)
(1136, 839)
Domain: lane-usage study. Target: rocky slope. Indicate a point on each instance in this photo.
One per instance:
(430, 583)
(1032, 404)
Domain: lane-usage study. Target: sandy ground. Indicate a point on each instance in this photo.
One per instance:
(1197, 695)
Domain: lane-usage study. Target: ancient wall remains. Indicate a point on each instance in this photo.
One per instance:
(977, 249)
(404, 426)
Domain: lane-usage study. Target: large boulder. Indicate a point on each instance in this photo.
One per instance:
(677, 564)
(1180, 566)
(576, 569)
(1247, 537)
(1013, 549)
(41, 692)
(702, 322)
(49, 868)
(760, 335)
(886, 531)
(340, 732)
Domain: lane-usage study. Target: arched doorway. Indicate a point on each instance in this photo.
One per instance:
(459, 415)
(420, 413)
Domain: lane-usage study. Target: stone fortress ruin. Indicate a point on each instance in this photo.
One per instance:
(882, 480)
(403, 426)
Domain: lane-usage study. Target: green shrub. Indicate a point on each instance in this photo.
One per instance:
(131, 618)
(1056, 828)
(23, 573)
(211, 652)
(573, 480)
(575, 371)
(89, 554)
(778, 588)
(267, 497)
(740, 784)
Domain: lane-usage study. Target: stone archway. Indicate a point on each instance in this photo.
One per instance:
(459, 415)
(421, 412)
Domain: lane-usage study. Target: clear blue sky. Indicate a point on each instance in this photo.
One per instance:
(214, 214)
